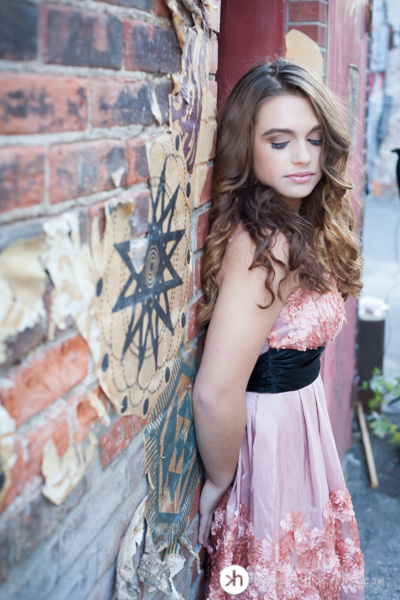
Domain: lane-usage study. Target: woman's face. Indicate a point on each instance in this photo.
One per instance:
(287, 148)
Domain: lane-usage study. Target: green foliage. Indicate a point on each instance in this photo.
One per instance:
(383, 391)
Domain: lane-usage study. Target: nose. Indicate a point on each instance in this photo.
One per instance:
(301, 153)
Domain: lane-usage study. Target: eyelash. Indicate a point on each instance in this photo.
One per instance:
(282, 145)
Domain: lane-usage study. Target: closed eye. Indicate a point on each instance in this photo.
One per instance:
(316, 142)
(279, 145)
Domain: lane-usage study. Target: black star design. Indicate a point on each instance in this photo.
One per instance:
(152, 286)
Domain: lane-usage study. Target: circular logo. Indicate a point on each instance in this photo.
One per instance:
(234, 579)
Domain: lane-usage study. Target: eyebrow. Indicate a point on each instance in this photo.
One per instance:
(277, 130)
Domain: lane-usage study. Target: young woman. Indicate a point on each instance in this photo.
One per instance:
(281, 257)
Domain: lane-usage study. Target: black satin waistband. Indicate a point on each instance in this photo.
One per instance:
(284, 370)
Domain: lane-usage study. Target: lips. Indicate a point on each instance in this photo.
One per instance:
(300, 177)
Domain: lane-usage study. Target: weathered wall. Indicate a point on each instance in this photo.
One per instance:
(107, 129)
(310, 17)
(348, 48)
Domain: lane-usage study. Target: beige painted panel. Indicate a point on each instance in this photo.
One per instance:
(303, 51)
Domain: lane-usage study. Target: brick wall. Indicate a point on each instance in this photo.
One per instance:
(84, 85)
(311, 18)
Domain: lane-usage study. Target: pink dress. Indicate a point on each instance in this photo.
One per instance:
(289, 519)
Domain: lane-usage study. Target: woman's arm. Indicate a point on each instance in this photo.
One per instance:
(236, 334)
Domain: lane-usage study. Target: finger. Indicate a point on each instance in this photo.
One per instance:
(206, 530)
(204, 526)
(201, 530)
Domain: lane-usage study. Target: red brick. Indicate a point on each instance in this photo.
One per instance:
(190, 291)
(41, 103)
(21, 177)
(29, 462)
(193, 327)
(119, 436)
(316, 32)
(206, 193)
(120, 102)
(202, 229)
(214, 57)
(47, 377)
(85, 414)
(83, 168)
(197, 272)
(161, 9)
(150, 48)
(18, 29)
(56, 427)
(311, 10)
(139, 220)
(137, 161)
(81, 37)
(163, 91)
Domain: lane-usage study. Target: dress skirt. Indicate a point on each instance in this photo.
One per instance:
(288, 518)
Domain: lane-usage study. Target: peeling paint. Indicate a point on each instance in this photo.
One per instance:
(7, 454)
(130, 546)
(302, 50)
(73, 268)
(155, 108)
(62, 474)
(138, 248)
(117, 175)
(179, 22)
(22, 284)
(98, 406)
(155, 572)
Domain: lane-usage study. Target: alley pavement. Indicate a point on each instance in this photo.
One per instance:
(378, 510)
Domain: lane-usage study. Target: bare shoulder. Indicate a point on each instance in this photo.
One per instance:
(240, 251)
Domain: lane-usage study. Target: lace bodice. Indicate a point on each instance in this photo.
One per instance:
(307, 320)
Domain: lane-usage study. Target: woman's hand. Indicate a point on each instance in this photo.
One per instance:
(209, 500)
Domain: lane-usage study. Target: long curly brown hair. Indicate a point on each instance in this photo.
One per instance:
(321, 237)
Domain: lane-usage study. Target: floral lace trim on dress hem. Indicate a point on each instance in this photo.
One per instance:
(304, 564)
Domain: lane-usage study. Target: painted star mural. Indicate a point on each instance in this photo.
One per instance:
(142, 297)
(149, 287)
